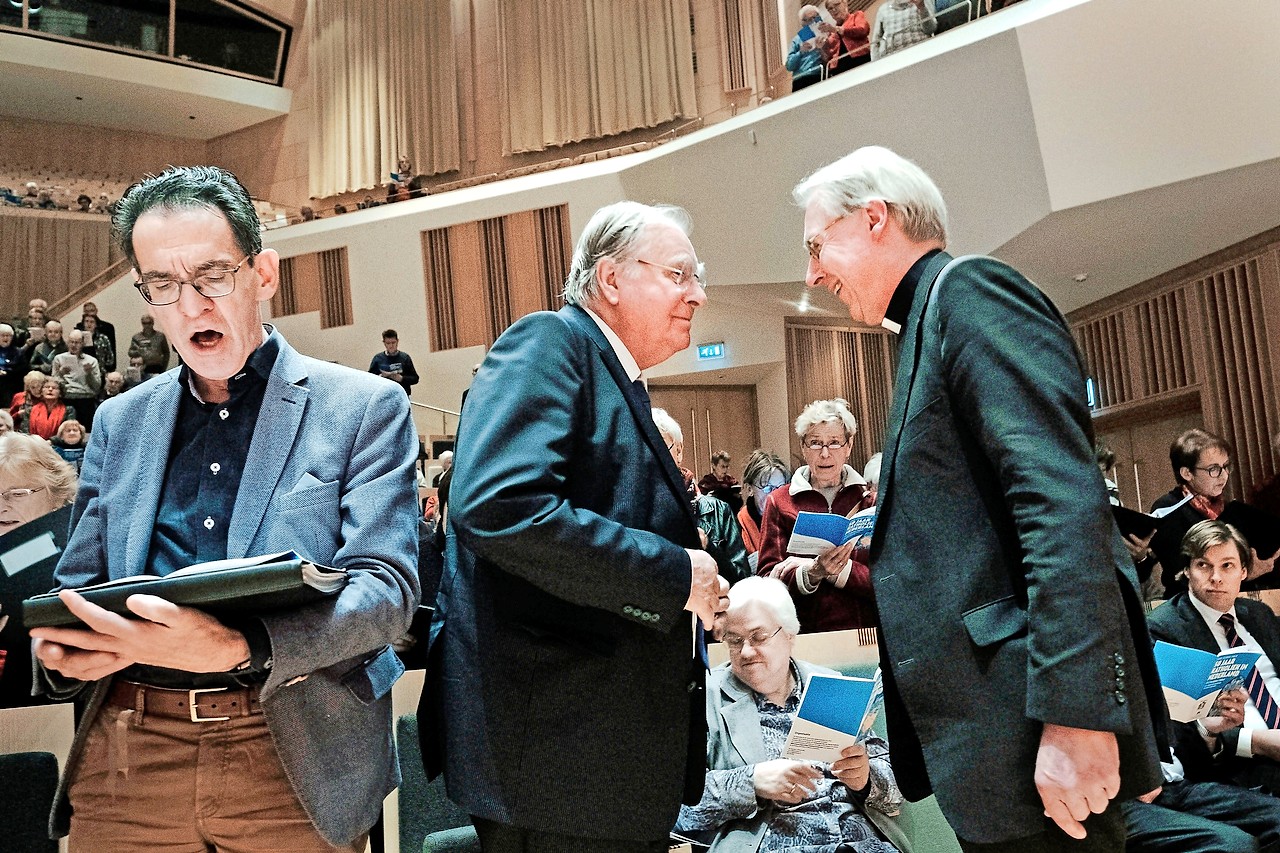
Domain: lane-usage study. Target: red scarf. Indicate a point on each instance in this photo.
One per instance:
(1209, 507)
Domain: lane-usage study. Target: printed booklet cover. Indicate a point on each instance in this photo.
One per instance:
(1192, 679)
(816, 532)
(836, 711)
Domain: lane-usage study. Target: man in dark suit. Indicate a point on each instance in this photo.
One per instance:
(1210, 617)
(563, 702)
(1007, 600)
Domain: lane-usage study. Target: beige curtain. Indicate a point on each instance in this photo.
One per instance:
(384, 83)
(49, 255)
(583, 69)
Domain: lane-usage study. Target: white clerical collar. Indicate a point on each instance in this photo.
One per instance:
(619, 348)
(896, 328)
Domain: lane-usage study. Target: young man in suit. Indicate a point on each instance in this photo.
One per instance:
(1006, 597)
(563, 699)
(269, 731)
(1211, 617)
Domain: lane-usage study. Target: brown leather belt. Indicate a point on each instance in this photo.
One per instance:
(200, 705)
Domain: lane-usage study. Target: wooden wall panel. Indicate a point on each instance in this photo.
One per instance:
(468, 279)
(441, 328)
(299, 290)
(523, 257)
(335, 288)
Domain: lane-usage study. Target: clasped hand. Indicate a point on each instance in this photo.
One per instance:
(166, 635)
(1228, 712)
(708, 591)
(1077, 774)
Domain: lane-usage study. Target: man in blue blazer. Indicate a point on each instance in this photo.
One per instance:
(1019, 681)
(269, 731)
(563, 702)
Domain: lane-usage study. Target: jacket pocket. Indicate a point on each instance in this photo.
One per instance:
(371, 680)
(323, 493)
(995, 622)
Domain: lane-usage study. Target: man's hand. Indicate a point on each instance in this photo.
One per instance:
(785, 781)
(1139, 547)
(1261, 566)
(167, 635)
(708, 592)
(1229, 712)
(1077, 773)
(854, 767)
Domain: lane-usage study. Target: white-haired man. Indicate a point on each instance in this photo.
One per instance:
(563, 701)
(1007, 599)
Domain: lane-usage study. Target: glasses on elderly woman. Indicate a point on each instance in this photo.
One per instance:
(758, 639)
(17, 495)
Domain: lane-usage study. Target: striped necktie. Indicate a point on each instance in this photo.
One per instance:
(1257, 689)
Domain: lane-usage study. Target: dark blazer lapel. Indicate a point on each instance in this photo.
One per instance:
(155, 434)
(273, 439)
(908, 363)
(1263, 629)
(1198, 632)
(642, 414)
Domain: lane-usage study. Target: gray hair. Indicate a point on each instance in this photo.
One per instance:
(33, 456)
(667, 425)
(769, 593)
(76, 335)
(872, 472)
(6, 419)
(827, 411)
(186, 188)
(5, 327)
(613, 232)
(872, 173)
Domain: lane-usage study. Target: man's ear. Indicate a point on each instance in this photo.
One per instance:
(607, 280)
(877, 215)
(267, 265)
(1186, 474)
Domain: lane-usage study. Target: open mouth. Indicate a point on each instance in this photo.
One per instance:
(206, 338)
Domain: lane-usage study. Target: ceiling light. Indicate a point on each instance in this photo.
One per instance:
(1080, 276)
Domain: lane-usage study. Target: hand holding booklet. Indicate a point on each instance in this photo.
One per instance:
(245, 585)
(816, 532)
(1193, 680)
(836, 711)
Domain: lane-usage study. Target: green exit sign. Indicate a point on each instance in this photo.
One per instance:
(709, 351)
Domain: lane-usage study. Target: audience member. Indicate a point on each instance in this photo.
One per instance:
(985, 588)
(307, 757)
(6, 421)
(719, 483)
(31, 194)
(833, 590)
(113, 385)
(901, 23)
(83, 203)
(307, 213)
(871, 473)
(339, 209)
(10, 366)
(81, 376)
(566, 706)
(34, 319)
(69, 442)
(104, 205)
(849, 46)
(1210, 615)
(1106, 459)
(20, 405)
(393, 364)
(1265, 495)
(1144, 559)
(763, 473)
(47, 413)
(446, 462)
(34, 484)
(396, 192)
(96, 343)
(42, 352)
(754, 799)
(151, 346)
(720, 535)
(804, 58)
(105, 328)
(418, 186)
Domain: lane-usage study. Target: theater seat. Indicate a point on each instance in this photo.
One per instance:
(29, 780)
(428, 820)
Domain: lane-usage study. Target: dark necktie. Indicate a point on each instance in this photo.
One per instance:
(642, 393)
(1256, 687)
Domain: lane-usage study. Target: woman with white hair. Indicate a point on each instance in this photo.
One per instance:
(754, 799)
(833, 590)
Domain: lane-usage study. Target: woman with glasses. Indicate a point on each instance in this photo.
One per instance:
(833, 590)
(763, 473)
(48, 413)
(36, 490)
(755, 800)
(1201, 463)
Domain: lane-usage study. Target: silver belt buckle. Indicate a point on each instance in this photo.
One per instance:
(191, 705)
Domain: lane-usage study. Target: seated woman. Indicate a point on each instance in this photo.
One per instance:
(48, 413)
(36, 490)
(764, 473)
(755, 800)
(69, 443)
(833, 590)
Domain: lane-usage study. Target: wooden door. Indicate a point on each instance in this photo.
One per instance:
(713, 418)
(1142, 455)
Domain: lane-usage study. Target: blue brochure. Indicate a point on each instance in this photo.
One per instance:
(816, 532)
(1192, 679)
(834, 712)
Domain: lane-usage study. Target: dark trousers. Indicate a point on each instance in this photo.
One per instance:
(501, 838)
(1105, 835)
(1203, 817)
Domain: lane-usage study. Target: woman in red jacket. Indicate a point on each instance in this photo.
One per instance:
(49, 412)
(833, 590)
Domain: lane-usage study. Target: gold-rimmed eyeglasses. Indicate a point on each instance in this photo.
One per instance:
(815, 248)
(214, 282)
(757, 639)
(10, 496)
(680, 276)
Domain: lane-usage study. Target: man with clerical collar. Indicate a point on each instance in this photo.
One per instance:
(1001, 581)
(269, 730)
(1210, 616)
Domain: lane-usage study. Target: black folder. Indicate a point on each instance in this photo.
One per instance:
(248, 585)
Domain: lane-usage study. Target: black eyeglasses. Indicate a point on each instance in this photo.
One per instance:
(1215, 470)
(213, 283)
(819, 446)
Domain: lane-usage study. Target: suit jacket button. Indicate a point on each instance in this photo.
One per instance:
(1121, 698)
(628, 609)
(656, 616)
(1119, 658)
